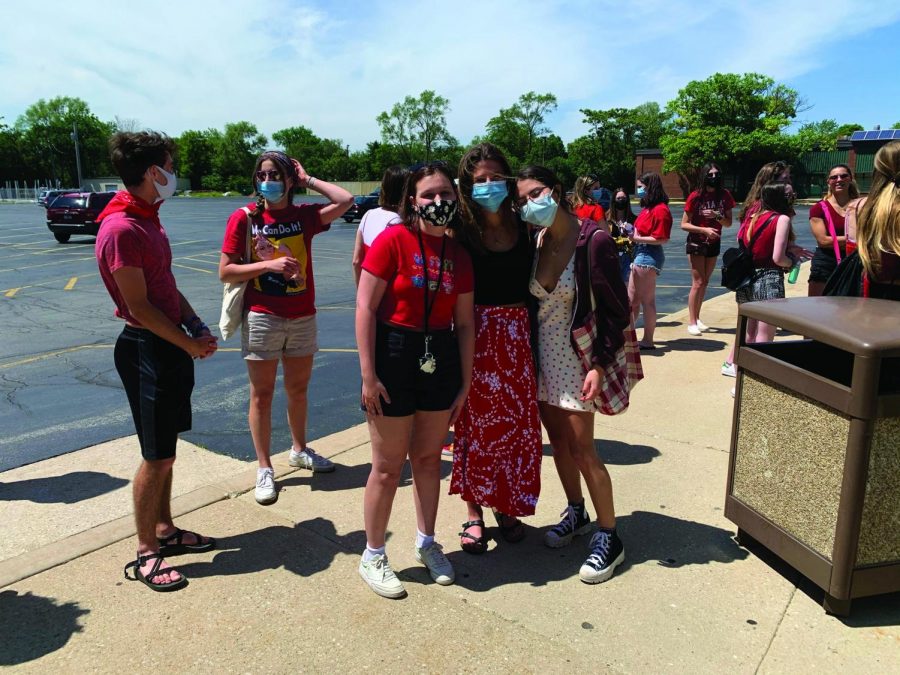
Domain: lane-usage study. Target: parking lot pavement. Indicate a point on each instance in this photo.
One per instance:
(60, 391)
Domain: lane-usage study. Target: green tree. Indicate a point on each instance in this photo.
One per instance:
(608, 150)
(12, 167)
(821, 135)
(417, 126)
(236, 152)
(895, 125)
(516, 129)
(47, 145)
(327, 158)
(196, 152)
(731, 119)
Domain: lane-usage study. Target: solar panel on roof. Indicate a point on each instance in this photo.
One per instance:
(871, 136)
(857, 135)
(887, 134)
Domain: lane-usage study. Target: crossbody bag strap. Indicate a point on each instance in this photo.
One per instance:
(759, 232)
(826, 211)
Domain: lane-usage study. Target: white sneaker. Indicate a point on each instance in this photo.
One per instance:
(701, 325)
(729, 369)
(732, 391)
(310, 459)
(694, 330)
(438, 566)
(265, 492)
(381, 578)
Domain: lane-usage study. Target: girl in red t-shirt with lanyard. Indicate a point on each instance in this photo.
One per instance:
(416, 338)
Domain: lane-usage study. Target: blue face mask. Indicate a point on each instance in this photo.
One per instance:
(490, 196)
(540, 211)
(272, 190)
(641, 191)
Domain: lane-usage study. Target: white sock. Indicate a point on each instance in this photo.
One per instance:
(423, 540)
(370, 552)
(260, 472)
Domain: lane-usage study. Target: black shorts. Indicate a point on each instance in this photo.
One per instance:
(158, 379)
(823, 264)
(703, 247)
(397, 354)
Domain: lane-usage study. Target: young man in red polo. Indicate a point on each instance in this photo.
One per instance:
(154, 352)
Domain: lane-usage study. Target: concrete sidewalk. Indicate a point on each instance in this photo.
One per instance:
(281, 593)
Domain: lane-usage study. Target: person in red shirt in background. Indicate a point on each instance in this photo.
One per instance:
(706, 211)
(585, 200)
(279, 303)
(415, 331)
(652, 229)
(153, 354)
(826, 220)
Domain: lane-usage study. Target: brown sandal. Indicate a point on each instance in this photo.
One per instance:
(476, 545)
(511, 533)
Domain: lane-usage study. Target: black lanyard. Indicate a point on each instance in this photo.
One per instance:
(430, 306)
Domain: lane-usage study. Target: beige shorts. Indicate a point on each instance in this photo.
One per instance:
(266, 337)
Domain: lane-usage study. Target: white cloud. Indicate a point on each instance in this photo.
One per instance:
(334, 66)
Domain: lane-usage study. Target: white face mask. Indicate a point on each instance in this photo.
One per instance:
(167, 190)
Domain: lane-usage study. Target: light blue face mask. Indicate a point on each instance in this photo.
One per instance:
(540, 211)
(490, 196)
(641, 191)
(272, 190)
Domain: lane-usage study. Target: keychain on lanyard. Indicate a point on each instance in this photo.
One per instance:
(427, 362)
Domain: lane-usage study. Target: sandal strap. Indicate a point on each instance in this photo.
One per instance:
(141, 559)
(177, 536)
(473, 523)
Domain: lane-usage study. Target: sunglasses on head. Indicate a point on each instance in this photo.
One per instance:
(839, 176)
(273, 174)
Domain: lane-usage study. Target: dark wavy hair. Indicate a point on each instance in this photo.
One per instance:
(767, 174)
(546, 177)
(407, 211)
(288, 173)
(611, 214)
(133, 152)
(471, 214)
(772, 197)
(392, 183)
(654, 193)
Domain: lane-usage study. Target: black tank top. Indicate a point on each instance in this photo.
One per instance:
(502, 278)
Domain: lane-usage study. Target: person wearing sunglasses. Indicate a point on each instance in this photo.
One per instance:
(826, 220)
(279, 303)
(497, 446)
(415, 334)
(583, 322)
(706, 211)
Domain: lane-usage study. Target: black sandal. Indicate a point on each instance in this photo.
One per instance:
(147, 580)
(476, 545)
(169, 547)
(511, 533)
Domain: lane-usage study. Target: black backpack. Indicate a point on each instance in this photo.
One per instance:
(737, 262)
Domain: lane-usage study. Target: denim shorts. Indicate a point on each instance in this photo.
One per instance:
(649, 255)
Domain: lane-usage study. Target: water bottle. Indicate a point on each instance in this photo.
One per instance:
(794, 273)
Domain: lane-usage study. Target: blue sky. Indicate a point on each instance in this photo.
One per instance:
(333, 66)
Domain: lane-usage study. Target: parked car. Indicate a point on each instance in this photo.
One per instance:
(76, 213)
(362, 205)
(46, 195)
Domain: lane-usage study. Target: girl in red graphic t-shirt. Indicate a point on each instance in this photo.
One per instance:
(279, 303)
(706, 211)
(415, 333)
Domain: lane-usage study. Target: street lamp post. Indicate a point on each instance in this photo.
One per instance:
(74, 136)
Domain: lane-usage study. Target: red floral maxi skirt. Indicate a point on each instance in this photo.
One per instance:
(497, 438)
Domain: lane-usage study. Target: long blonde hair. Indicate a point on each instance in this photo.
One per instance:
(878, 224)
(581, 195)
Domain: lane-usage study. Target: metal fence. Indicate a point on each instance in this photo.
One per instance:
(22, 191)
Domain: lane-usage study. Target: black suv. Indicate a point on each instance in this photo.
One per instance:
(76, 213)
(362, 205)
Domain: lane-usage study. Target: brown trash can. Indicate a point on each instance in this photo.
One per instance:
(814, 471)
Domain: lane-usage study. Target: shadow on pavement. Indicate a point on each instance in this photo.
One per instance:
(33, 626)
(297, 549)
(665, 540)
(350, 477)
(686, 345)
(66, 489)
(617, 452)
(871, 612)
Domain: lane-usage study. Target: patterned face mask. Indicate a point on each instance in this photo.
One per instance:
(437, 213)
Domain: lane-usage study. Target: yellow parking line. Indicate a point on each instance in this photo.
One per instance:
(69, 286)
(11, 293)
(46, 355)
